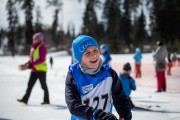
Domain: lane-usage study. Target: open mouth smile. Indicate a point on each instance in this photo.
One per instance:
(93, 61)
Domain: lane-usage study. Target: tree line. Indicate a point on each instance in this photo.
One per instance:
(122, 26)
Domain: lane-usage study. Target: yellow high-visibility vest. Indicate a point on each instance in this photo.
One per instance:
(42, 66)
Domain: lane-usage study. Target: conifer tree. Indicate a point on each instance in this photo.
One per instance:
(90, 22)
(54, 32)
(13, 21)
(140, 36)
(38, 24)
(112, 18)
(27, 6)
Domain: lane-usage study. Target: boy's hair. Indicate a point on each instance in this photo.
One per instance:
(81, 44)
(127, 67)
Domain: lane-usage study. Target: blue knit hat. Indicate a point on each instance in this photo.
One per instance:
(81, 44)
(105, 47)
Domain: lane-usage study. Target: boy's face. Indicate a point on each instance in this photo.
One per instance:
(91, 57)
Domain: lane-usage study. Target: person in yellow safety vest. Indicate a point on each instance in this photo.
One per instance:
(38, 66)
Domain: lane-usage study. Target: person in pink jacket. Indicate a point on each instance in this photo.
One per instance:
(38, 66)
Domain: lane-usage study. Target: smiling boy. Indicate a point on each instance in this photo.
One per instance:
(91, 87)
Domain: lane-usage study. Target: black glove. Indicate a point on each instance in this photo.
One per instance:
(101, 115)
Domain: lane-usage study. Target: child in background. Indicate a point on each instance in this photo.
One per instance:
(170, 64)
(91, 87)
(174, 58)
(137, 57)
(51, 61)
(105, 56)
(127, 81)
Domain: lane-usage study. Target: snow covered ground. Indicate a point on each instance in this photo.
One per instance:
(13, 83)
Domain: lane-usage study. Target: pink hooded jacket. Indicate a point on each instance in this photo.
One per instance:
(42, 55)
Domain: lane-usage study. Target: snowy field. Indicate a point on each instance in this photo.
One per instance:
(13, 83)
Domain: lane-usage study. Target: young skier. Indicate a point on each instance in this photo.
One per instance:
(105, 56)
(127, 81)
(91, 87)
(137, 57)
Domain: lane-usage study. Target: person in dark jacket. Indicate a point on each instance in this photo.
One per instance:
(38, 66)
(127, 81)
(170, 64)
(91, 87)
(160, 66)
(105, 56)
(51, 61)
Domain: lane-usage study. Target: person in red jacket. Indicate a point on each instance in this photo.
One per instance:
(38, 66)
